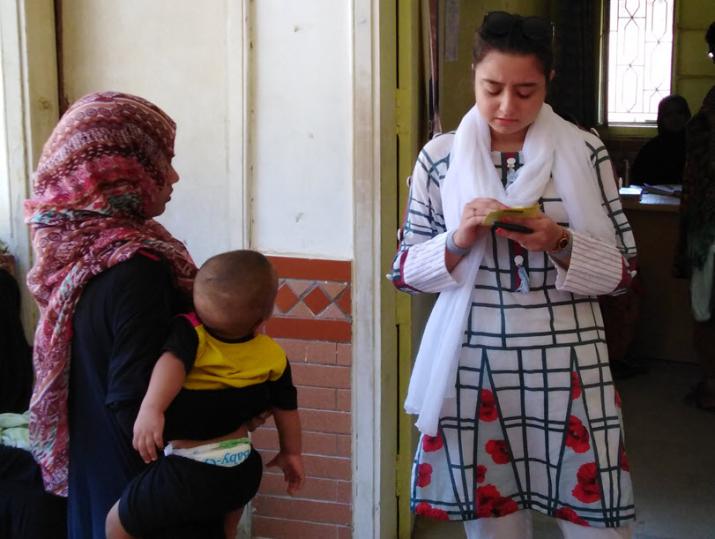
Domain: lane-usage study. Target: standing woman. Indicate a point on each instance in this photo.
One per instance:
(107, 279)
(512, 388)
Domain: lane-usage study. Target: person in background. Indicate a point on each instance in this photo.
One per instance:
(15, 353)
(662, 159)
(512, 387)
(696, 247)
(26, 510)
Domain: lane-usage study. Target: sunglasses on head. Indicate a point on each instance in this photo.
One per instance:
(501, 23)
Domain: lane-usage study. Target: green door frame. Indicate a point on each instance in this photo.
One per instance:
(401, 137)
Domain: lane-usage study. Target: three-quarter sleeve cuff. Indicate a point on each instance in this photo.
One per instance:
(595, 268)
(425, 267)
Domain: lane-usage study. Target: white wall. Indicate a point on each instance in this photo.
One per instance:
(172, 52)
(187, 57)
(301, 124)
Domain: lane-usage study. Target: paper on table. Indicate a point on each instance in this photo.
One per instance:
(526, 211)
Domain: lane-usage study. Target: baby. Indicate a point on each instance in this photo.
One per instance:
(234, 374)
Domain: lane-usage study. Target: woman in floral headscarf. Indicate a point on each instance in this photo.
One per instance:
(107, 279)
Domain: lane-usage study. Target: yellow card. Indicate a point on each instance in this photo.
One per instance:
(516, 211)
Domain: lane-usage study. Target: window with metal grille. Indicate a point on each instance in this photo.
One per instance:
(640, 54)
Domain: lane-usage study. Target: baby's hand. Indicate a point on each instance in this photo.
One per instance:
(148, 430)
(292, 466)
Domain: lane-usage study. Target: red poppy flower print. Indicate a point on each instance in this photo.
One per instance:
(426, 510)
(575, 386)
(577, 435)
(481, 473)
(490, 502)
(587, 489)
(488, 406)
(617, 398)
(566, 513)
(625, 466)
(424, 474)
(498, 450)
(505, 506)
(432, 443)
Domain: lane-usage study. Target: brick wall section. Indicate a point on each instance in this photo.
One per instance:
(312, 321)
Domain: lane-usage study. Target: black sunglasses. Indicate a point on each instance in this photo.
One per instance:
(501, 23)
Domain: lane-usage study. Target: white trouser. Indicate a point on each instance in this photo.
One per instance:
(519, 526)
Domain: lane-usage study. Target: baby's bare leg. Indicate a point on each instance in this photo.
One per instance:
(230, 523)
(113, 526)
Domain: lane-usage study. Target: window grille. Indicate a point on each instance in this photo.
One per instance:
(640, 51)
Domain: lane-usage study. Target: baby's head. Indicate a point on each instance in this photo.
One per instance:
(234, 293)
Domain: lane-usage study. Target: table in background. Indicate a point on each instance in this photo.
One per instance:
(665, 325)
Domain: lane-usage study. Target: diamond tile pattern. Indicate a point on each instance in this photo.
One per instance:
(313, 300)
(316, 300)
(285, 299)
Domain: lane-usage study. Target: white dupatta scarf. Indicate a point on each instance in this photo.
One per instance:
(553, 147)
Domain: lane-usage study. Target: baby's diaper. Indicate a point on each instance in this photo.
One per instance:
(226, 453)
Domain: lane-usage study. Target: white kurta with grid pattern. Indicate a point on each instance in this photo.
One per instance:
(536, 423)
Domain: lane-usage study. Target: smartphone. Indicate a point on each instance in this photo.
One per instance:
(514, 227)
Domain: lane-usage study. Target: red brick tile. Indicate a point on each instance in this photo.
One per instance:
(328, 467)
(319, 398)
(316, 300)
(345, 354)
(326, 421)
(311, 268)
(314, 488)
(310, 511)
(321, 352)
(319, 443)
(265, 438)
(345, 492)
(345, 532)
(319, 330)
(319, 466)
(295, 349)
(285, 299)
(345, 445)
(314, 443)
(344, 400)
(321, 375)
(278, 528)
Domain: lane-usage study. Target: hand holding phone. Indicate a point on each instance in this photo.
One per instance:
(514, 227)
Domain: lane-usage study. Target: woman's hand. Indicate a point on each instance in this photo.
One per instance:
(473, 216)
(546, 232)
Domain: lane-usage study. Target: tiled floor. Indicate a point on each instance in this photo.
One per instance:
(672, 455)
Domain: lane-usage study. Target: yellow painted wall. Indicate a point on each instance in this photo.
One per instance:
(694, 71)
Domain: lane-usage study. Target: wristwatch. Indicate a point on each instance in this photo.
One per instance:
(562, 243)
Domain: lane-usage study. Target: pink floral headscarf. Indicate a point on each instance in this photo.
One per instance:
(106, 159)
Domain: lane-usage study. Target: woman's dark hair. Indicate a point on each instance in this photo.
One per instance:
(710, 36)
(514, 34)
